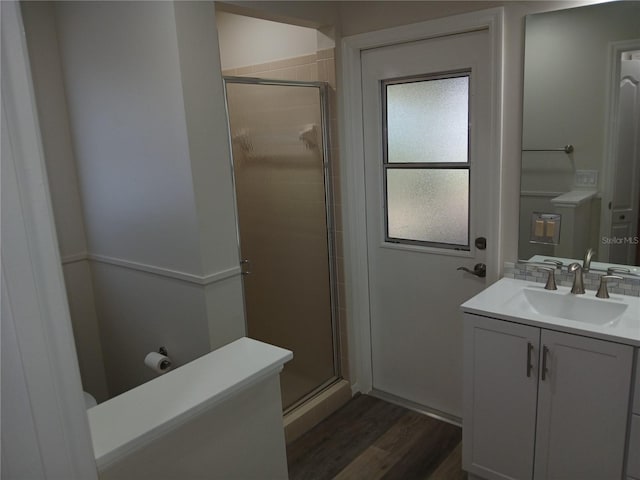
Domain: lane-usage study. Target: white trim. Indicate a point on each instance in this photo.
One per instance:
(353, 181)
(155, 270)
(540, 193)
(35, 292)
(447, 252)
(167, 272)
(610, 147)
(75, 258)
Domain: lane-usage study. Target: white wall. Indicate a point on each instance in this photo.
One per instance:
(122, 74)
(53, 118)
(148, 125)
(248, 41)
(140, 312)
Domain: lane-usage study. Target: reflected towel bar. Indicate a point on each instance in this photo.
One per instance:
(566, 149)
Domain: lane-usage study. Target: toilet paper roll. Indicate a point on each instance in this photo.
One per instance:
(157, 362)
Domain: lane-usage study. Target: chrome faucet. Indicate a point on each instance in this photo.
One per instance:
(589, 254)
(578, 280)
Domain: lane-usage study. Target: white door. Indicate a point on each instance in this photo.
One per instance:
(625, 205)
(583, 398)
(431, 174)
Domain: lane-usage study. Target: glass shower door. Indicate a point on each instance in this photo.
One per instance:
(279, 168)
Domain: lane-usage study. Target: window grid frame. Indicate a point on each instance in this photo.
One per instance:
(386, 165)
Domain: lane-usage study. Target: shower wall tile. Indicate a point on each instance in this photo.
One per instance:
(308, 73)
(322, 71)
(326, 53)
(290, 73)
(296, 68)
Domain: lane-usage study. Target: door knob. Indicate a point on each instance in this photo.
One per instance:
(479, 270)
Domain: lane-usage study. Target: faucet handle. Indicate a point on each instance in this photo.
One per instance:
(572, 267)
(603, 292)
(612, 270)
(557, 263)
(551, 277)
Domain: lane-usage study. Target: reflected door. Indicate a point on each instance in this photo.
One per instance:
(279, 169)
(625, 205)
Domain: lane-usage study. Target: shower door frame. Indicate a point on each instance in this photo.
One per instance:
(323, 89)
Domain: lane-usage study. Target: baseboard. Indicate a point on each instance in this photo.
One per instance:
(416, 407)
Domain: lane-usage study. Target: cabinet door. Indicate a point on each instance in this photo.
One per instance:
(500, 390)
(583, 401)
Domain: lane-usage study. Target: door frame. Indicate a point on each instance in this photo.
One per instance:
(353, 178)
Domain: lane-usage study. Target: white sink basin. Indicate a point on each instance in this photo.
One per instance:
(577, 308)
(615, 319)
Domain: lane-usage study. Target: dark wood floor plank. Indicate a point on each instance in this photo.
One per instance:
(370, 439)
(329, 447)
(451, 467)
(434, 446)
(402, 436)
(370, 464)
(388, 449)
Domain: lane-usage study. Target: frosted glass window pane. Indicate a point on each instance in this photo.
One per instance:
(428, 121)
(428, 205)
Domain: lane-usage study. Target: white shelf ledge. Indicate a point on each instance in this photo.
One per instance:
(131, 420)
(573, 198)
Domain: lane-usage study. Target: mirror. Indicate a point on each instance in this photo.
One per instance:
(581, 134)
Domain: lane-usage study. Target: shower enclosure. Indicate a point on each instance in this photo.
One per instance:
(281, 171)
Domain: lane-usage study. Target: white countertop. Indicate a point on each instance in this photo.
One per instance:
(496, 302)
(124, 423)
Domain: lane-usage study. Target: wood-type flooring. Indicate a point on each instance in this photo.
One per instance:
(369, 439)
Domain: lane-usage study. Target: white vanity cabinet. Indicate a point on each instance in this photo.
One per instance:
(542, 404)
(633, 456)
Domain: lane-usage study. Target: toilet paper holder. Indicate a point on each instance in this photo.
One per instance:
(158, 361)
(165, 363)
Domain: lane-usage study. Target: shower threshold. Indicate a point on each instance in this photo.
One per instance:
(315, 407)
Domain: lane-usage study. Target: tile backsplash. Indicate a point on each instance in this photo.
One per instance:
(521, 271)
